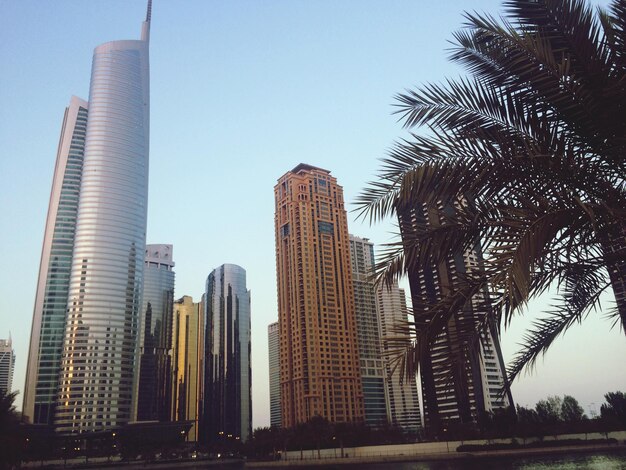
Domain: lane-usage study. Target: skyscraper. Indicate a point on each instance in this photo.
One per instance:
(7, 365)
(273, 342)
(461, 377)
(188, 362)
(319, 358)
(368, 328)
(46, 340)
(96, 339)
(227, 403)
(404, 407)
(154, 385)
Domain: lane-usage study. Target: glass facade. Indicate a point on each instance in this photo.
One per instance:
(188, 362)
(154, 384)
(104, 298)
(46, 343)
(227, 402)
(368, 330)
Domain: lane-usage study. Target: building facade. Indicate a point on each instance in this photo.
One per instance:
(7, 365)
(462, 374)
(105, 286)
(227, 401)
(273, 342)
(152, 397)
(402, 394)
(319, 358)
(48, 328)
(188, 362)
(368, 331)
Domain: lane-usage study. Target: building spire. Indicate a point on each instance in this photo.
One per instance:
(145, 27)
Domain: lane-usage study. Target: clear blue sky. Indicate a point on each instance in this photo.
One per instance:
(241, 92)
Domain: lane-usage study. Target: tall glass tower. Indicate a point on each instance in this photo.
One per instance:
(227, 404)
(368, 331)
(154, 385)
(46, 339)
(105, 284)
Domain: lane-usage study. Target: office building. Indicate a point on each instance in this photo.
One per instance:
(7, 365)
(154, 378)
(462, 375)
(105, 285)
(227, 402)
(404, 407)
(188, 362)
(319, 358)
(48, 327)
(273, 341)
(368, 331)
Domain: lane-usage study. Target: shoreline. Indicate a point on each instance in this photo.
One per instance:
(503, 453)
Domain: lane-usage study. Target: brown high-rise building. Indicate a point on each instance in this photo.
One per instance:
(319, 359)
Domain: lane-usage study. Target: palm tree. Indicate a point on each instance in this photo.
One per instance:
(529, 152)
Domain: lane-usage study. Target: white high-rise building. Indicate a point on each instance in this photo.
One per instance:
(7, 365)
(368, 331)
(462, 374)
(83, 353)
(404, 407)
(273, 341)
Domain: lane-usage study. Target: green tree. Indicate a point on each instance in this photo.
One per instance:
(529, 152)
(549, 410)
(571, 411)
(11, 440)
(615, 406)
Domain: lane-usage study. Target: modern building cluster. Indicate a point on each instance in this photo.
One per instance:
(110, 345)
(334, 350)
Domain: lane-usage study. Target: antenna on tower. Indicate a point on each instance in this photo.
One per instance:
(145, 28)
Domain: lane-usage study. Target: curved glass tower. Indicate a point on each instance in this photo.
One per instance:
(227, 405)
(104, 297)
(46, 338)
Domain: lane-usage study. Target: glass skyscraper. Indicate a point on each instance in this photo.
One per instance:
(368, 331)
(154, 387)
(87, 309)
(46, 340)
(227, 401)
(188, 362)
